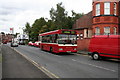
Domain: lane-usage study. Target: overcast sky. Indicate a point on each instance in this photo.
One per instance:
(15, 13)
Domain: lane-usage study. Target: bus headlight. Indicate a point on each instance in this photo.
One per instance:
(75, 49)
(60, 48)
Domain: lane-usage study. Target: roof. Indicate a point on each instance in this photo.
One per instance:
(55, 32)
(51, 32)
(84, 22)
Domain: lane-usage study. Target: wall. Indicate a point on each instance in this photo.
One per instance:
(82, 40)
(83, 44)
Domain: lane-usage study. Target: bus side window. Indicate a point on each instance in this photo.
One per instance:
(56, 37)
(51, 39)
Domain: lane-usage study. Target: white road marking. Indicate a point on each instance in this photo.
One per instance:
(94, 65)
(55, 55)
(73, 59)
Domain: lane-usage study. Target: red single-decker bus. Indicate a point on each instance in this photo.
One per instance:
(59, 41)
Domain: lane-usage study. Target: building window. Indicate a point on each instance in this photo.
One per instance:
(89, 33)
(115, 8)
(107, 8)
(85, 33)
(106, 30)
(115, 30)
(97, 9)
(97, 31)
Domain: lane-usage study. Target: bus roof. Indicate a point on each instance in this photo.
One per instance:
(55, 32)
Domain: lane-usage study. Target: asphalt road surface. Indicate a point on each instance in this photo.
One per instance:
(69, 65)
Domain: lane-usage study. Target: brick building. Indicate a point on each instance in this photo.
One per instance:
(6, 37)
(104, 19)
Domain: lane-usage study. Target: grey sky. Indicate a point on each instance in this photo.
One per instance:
(15, 13)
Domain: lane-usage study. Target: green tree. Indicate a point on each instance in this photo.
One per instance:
(44, 28)
(39, 23)
(36, 27)
(58, 16)
(60, 19)
(27, 28)
(15, 35)
(51, 25)
(76, 16)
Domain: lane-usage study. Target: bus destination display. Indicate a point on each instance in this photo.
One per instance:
(69, 32)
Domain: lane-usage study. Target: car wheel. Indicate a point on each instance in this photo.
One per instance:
(95, 56)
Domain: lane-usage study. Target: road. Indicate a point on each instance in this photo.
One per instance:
(70, 65)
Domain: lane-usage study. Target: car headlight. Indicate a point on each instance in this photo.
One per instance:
(75, 49)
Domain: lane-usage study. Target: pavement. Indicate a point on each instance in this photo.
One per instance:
(16, 66)
(83, 52)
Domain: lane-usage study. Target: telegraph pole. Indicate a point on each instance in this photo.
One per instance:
(12, 32)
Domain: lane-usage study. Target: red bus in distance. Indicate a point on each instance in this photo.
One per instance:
(59, 41)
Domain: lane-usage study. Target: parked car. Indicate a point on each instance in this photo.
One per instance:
(14, 44)
(30, 43)
(104, 46)
(21, 43)
(4, 41)
(37, 44)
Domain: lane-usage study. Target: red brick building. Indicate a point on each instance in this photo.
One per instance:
(104, 19)
(6, 37)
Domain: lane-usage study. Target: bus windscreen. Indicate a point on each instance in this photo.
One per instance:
(66, 39)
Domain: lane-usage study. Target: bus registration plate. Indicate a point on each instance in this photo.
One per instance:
(68, 51)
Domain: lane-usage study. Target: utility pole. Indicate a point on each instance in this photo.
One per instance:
(12, 32)
(0, 38)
